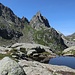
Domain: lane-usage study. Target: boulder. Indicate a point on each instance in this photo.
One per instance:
(4, 50)
(31, 52)
(10, 67)
(36, 68)
(69, 51)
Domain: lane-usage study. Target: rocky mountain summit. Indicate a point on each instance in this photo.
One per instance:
(10, 23)
(38, 21)
(14, 29)
(27, 46)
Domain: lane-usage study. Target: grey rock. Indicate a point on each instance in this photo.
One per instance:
(69, 51)
(29, 52)
(24, 19)
(38, 21)
(36, 68)
(69, 40)
(10, 67)
(9, 22)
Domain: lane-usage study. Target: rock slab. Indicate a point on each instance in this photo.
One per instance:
(10, 67)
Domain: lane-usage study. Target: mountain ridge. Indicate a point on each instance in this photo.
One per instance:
(38, 30)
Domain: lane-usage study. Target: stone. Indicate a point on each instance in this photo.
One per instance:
(29, 52)
(4, 50)
(35, 51)
(10, 67)
(69, 51)
(35, 55)
(36, 68)
(68, 40)
(24, 19)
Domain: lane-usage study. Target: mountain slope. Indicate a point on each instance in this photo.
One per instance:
(14, 29)
(71, 37)
(10, 25)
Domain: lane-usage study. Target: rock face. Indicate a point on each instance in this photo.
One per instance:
(23, 67)
(8, 15)
(10, 67)
(34, 51)
(36, 68)
(28, 51)
(38, 21)
(8, 22)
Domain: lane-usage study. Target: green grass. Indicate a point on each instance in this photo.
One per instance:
(47, 38)
(4, 55)
(9, 54)
(46, 53)
(2, 25)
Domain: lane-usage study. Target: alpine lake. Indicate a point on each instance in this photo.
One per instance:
(63, 61)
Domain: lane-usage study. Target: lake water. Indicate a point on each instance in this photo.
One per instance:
(64, 61)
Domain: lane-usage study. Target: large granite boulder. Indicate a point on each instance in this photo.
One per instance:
(10, 67)
(36, 68)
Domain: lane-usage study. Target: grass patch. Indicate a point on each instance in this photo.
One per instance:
(46, 53)
(4, 55)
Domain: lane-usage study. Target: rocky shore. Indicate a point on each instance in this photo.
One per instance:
(26, 58)
(24, 67)
(28, 51)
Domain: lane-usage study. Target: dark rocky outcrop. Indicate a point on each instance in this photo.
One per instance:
(8, 15)
(10, 24)
(9, 34)
(24, 20)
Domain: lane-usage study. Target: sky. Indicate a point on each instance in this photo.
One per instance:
(60, 13)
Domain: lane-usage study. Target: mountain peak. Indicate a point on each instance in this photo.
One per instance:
(24, 19)
(38, 21)
(1, 4)
(38, 13)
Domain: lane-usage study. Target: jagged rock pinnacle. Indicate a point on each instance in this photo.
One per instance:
(38, 21)
(38, 13)
(24, 19)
